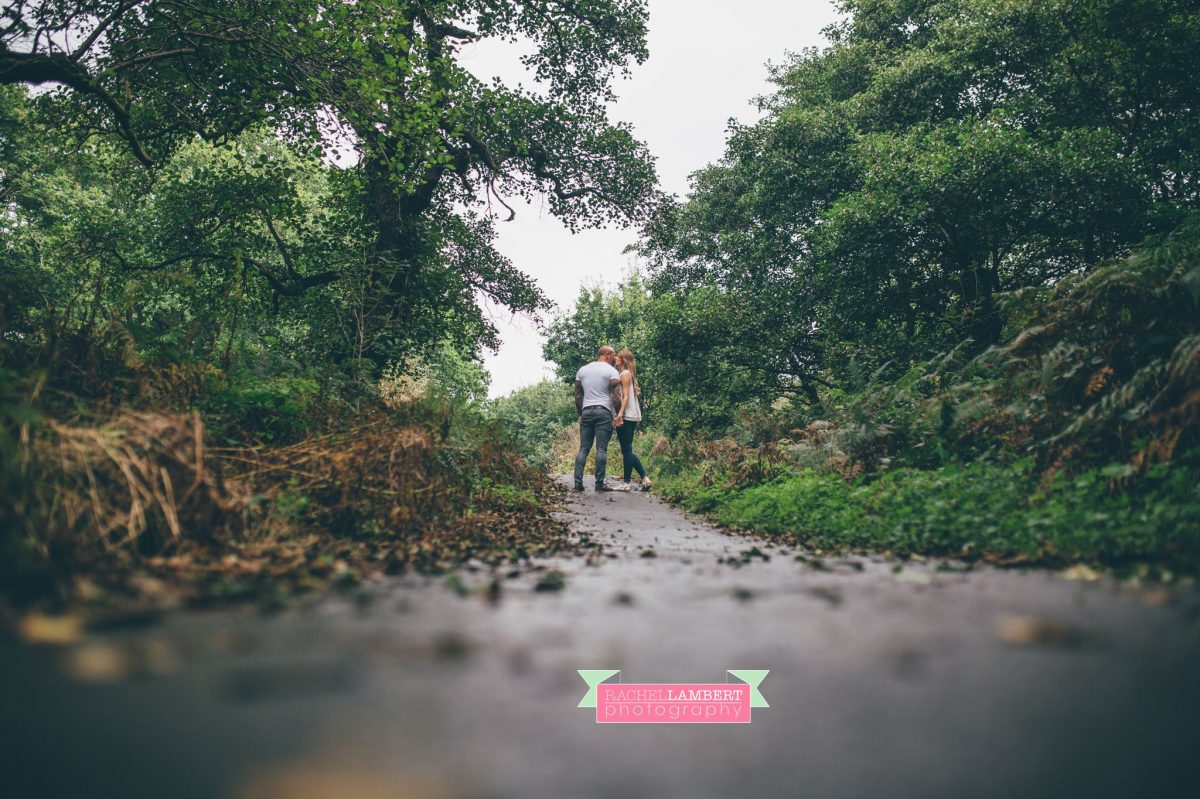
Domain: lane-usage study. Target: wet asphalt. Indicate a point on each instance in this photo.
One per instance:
(915, 679)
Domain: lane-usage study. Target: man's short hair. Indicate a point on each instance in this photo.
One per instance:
(606, 350)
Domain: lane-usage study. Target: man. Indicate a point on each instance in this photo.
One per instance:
(596, 386)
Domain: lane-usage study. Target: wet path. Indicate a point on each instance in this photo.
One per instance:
(918, 682)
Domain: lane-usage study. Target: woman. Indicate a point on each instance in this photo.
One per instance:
(628, 417)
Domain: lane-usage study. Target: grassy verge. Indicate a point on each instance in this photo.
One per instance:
(998, 513)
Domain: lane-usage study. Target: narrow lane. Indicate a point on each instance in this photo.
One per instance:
(910, 682)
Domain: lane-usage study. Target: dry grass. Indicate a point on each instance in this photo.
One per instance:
(373, 472)
(140, 505)
(140, 481)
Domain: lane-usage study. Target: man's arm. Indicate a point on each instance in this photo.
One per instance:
(578, 397)
(615, 394)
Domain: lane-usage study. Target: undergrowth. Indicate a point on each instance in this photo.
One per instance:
(136, 505)
(1076, 439)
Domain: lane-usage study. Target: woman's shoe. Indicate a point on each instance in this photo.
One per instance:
(647, 484)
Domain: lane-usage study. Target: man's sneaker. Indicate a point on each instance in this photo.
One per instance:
(647, 484)
(600, 486)
(578, 485)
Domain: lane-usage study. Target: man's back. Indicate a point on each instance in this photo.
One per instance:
(596, 380)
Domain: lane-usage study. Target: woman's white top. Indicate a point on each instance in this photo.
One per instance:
(633, 408)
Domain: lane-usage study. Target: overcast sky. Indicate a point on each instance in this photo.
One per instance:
(707, 62)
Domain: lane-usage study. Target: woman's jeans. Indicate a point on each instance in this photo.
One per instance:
(632, 461)
(595, 424)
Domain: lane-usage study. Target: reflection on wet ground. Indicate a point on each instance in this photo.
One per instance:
(916, 679)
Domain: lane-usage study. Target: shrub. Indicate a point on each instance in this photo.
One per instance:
(536, 417)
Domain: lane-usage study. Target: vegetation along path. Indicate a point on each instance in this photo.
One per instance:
(913, 679)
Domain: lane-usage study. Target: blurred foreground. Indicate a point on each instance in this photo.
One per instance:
(913, 679)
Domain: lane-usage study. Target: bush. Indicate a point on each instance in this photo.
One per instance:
(536, 417)
(276, 409)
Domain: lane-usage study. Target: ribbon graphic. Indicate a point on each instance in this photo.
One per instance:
(682, 703)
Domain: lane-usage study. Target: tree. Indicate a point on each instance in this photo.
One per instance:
(619, 318)
(434, 139)
(936, 156)
(535, 416)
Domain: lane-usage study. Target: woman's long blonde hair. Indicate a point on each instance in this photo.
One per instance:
(627, 360)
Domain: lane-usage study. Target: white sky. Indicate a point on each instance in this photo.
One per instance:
(707, 63)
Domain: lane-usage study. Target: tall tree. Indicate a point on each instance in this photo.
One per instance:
(433, 138)
(936, 155)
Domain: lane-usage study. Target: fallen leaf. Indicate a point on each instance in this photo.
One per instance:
(1156, 597)
(1080, 572)
(38, 628)
(828, 593)
(552, 581)
(1031, 631)
(99, 663)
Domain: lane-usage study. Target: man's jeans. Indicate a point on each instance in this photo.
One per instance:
(595, 424)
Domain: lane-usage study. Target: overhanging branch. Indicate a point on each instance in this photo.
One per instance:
(36, 69)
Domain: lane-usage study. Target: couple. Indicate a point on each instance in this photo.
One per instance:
(606, 396)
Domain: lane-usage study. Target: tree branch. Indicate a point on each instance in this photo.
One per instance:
(35, 69)
(102, 26)
(148, 57)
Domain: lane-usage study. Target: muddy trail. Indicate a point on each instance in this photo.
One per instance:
(886, 679)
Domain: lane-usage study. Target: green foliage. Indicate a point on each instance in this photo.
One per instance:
(459, 379)
(535, 417)
(981, 510)
(936, 158)
(1074, 439)
(275, 410)
(244, 234)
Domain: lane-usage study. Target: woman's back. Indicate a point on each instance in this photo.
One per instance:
(633, 408)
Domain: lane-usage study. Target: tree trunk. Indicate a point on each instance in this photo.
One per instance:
(983, 323)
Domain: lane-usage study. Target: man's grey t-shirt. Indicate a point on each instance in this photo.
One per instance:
(596, 378)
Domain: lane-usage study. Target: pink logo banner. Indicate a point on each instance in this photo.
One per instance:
(673, 703)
